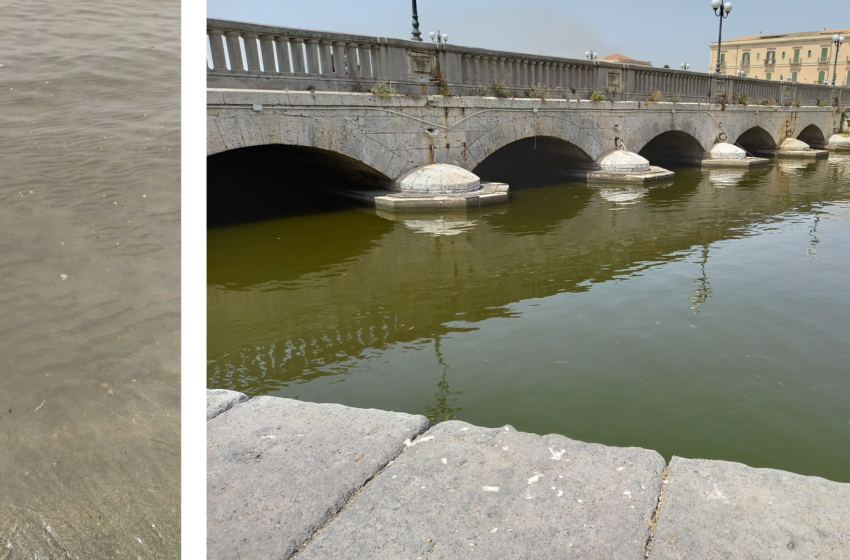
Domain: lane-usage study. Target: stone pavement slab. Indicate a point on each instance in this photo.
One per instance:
(279, 469)
(222, 400)
(466, 492)
(720, 510)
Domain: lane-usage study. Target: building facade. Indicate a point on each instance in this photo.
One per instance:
(622, 59)
(806, 57)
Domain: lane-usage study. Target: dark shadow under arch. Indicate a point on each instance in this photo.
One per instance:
(756, 140)
(673, 146)
(812, 136)
(273, 181)
(532, 162)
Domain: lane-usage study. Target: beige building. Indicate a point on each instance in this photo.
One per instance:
(804, 57)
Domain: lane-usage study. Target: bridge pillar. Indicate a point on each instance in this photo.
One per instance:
(838, 143)
(723, 154)
(793, 148)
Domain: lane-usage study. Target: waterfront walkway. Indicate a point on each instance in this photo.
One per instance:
(289, 479)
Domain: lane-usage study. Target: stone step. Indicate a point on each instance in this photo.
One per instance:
(319, 481)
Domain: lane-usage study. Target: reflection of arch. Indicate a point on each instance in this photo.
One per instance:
(813, 136)
(535, 160)
(267, 181)
(756, 139)
(673, 144)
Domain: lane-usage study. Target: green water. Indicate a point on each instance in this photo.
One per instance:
(708, 318)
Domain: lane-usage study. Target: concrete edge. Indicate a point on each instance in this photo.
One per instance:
(220, 401)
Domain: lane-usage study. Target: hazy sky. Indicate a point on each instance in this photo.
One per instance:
(661, 31)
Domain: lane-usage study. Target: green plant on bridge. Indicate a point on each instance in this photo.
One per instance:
(539, 91)
(572, 90)
(768, 102)
(821, 103)
(311, 89)
(501, 87)
(439, 78)
(676, 98)
(655, 97)
(797, 102)
(383, 91)
(597, 96)
(740, 98)
(479, 90)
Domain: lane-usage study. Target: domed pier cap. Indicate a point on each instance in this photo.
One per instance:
(438, 178)
(838, 141)
(620, 161)
(793, 145)
(722, 150)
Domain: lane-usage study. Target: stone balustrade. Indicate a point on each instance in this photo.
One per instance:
(247, 55)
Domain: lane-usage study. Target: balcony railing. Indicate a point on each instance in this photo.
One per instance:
(252, 56)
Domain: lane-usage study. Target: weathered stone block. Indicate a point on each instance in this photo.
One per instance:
(717, 509)
(222, 400)
(231, 135)
(279, 469)
(466, 492)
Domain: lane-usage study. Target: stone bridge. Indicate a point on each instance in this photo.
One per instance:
(307, 91)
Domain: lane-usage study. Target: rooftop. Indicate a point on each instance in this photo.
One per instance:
(825, 32)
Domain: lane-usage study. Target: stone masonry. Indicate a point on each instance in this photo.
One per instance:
(289, 479)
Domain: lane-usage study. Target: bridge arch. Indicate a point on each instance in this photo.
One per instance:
(533, 160)
(557, 134)
(269, 181)
(673, 144)
(813, 136)
(247, 129)
(756, 139)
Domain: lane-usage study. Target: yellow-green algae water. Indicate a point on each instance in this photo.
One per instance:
(708, 318)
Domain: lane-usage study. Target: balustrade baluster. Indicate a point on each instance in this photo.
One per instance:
(377, 63)
(299, 65)
(351, 60)
(217, 49)
(234, 52)
(251, 52)
(267, 50)
(312, 56)
(339, 59)
(365, 62)
(325, 58)
(283, 59)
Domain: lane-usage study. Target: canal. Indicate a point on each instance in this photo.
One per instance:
(704, 318)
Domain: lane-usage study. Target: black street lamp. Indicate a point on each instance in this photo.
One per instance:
(685, 66)
(417, 36)
(837, 39)
(721, 10)
(590, 55)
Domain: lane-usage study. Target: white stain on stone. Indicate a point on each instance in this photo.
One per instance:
(445, 461)
(560, 493)
(464, 429)
(490, 488)
(534, 478)
(494, 529)
(420, 440)
(63, 276)
(620, 468)
(627, 493)
(268, 437)
(557, 455)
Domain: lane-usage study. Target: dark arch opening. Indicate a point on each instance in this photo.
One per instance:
(756, 141)
(274, 181)
(673, 146)
(535, 161)
(812, 136)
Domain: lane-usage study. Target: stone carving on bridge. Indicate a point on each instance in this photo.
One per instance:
(420, 62)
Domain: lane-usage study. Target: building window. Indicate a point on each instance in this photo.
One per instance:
(793, 76)
(796, 55)
(824, 54)
(821, 77)
(722, 59)
(783, 55)
(771, 55)
(848, 78)
(745, 59)
(810, 54)
(768, 76)
(758, 56)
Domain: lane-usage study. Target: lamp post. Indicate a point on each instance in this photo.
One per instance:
(439, 37)
(417, 36)
(722, 11)
(590, 55)
(837, 39)
(685, 66)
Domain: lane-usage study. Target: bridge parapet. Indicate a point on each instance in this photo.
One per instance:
(253, 56)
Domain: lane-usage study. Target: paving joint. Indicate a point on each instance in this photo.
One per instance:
(653, 524)
(354, 495)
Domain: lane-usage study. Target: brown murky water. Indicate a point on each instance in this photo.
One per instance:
(89, 265)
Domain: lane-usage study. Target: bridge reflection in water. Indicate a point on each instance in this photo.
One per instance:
(689, 318)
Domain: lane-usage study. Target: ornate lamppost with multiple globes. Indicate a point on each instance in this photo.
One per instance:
(590, 55)
(837, 39)
(722, 11)
(685, 66)
(439, 37)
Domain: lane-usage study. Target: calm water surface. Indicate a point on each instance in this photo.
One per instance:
(89, 264)
(707, 318)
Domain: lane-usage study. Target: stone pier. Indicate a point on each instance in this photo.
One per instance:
(289, 479)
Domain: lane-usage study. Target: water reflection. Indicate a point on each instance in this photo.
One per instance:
(555, 290)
